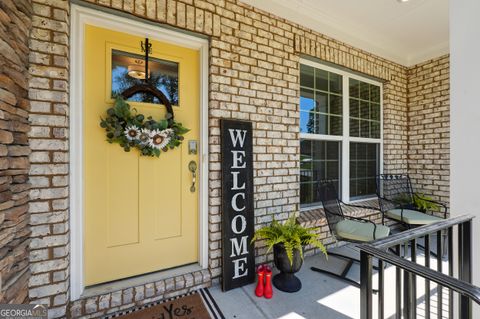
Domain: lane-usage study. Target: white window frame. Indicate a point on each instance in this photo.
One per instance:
(345, 138)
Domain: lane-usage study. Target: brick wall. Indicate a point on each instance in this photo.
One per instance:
(48, 93)
(254, 75)
(15, 20)
(429, 127)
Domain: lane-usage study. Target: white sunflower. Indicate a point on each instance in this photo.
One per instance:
(144, 136)
(159, 139)
(131, 132)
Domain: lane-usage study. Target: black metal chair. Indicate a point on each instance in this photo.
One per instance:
(396, 200)
(346, 228)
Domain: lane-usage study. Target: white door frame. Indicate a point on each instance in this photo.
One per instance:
(80, 16)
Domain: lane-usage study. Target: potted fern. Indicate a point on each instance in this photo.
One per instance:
(424, 204)
(419, 202)
(287, 241)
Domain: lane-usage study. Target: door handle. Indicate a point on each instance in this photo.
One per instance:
(192, 167)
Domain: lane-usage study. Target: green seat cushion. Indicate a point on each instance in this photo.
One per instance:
(412, 217)
(358, 231)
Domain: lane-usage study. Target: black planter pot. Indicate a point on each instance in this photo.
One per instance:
(286, 280)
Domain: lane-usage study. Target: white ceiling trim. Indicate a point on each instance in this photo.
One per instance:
(361, 36)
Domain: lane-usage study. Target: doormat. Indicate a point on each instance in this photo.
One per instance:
(190, 306)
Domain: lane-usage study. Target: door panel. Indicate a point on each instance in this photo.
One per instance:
(166, 219)
(139, 213)
(122, 215)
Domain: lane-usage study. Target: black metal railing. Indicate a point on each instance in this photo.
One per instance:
(388, 251)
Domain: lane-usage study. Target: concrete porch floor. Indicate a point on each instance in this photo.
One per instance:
(321, 296)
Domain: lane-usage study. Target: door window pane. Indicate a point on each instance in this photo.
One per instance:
(319, 160)
(129, 69)
(364, 166)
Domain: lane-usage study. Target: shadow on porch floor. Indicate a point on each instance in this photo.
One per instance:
(321, 296)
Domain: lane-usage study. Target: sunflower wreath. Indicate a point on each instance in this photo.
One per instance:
(130, 129)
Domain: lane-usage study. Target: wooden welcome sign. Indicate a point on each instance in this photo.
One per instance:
(237, 204)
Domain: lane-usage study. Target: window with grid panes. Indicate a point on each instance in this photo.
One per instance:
(328, 97)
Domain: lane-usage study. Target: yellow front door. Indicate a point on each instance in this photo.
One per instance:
(140, 213)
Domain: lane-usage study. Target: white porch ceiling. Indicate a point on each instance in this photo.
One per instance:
(406, 33)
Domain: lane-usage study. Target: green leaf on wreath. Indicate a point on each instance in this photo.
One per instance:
(182, 130)
(121, 116)
(163, 124)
